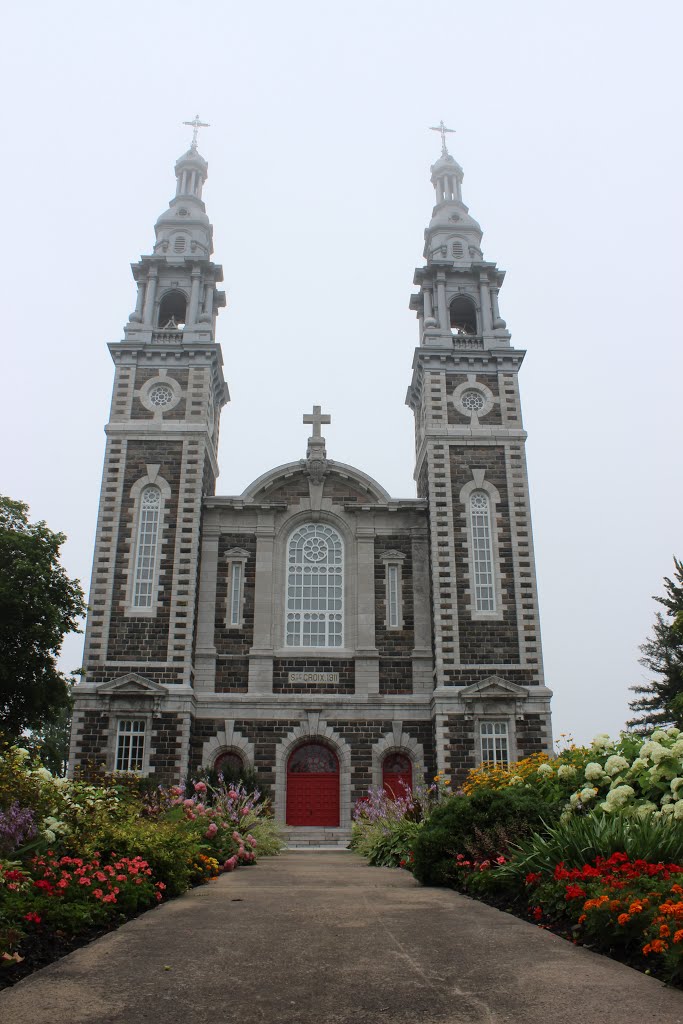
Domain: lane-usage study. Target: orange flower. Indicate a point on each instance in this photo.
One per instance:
(664, 931)
(583, 918)
(636, 907)
(678, 889)
(624, 919)
(656, 946)
(678, 936)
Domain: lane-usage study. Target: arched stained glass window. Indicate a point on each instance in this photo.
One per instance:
(315, 582)
(482, 552)
(146, 550)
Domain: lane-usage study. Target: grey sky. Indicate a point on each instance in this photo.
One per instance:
(568, 130)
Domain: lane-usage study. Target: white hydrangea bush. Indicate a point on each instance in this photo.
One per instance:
(633, 775)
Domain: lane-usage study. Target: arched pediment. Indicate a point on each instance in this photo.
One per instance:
(340, 481)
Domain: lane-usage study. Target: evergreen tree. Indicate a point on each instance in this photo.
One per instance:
(39, 605)
(660, 701)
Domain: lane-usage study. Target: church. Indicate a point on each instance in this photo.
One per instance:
(314, 628)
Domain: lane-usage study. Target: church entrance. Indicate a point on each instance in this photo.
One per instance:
(313, 786)
(397, 775)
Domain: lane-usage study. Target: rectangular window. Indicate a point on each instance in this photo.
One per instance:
(393, 618)
(482, 554)
(236, 594)
(130, 745)
(494, 742)
(146, 554)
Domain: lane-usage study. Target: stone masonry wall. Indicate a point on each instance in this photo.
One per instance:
(482, 641)
(395, 646)
(283, 666)
(142, 375)
(165, 742)
(490, 380)
(144, 638)
(233, 645)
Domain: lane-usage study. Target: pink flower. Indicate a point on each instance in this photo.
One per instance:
(232, 794)
(245, 811)
(211, 830)
(237, 837)
(230, 864)
(98, 894)
(252, 842)
(200, 809)
(84, 881)
(200, 787)
(188, 803)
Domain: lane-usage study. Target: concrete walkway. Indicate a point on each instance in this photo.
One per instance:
(322, 937)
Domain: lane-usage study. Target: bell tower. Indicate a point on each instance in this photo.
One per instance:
(160, 462)
(471, 468)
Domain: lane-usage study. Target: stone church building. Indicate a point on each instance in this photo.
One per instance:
(315, 628)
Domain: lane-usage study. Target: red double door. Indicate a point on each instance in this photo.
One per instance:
(313, 786)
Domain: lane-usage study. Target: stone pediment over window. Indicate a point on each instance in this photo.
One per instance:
(132, 685)
(494, 695)
(492, 687)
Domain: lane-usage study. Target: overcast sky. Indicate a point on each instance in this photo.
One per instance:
(569, 132)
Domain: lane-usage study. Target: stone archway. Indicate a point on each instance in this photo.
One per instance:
(315, 730)
(396, 741)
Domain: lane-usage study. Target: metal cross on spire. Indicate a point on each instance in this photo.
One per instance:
(443, 129)
(195, 125)
(317, 419)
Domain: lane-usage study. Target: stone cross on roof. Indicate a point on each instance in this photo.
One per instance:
(317, 419)
(195, 125)
(441, 127)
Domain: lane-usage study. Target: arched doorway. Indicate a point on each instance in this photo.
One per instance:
(397, 775)
(313, 786)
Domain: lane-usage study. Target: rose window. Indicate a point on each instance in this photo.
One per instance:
(472, 400)
(315, 549)
(160, 395)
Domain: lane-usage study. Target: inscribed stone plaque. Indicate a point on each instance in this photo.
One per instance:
(314, 677)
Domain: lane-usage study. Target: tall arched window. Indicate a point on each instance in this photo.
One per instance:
(146, 548)
(315, 580)
(482, 552)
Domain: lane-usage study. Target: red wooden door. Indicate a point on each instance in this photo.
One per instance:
(397, 775)
(313, 786)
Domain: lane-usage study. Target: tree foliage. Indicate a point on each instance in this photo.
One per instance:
(660, 701)
(39, 605)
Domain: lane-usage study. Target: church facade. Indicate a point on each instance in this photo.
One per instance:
(313, 628)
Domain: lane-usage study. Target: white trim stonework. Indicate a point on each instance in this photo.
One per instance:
(480, 483)
(397, 741)
(393, 560)
(151, 478)
(227, 740)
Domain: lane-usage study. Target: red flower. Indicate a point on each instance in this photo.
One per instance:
(537, 913)
(32, 916)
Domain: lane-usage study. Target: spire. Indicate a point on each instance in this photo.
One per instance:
(176, 283)
(458, 296)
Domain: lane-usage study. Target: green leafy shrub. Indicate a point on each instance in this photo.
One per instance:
(486, 818)
(169, 850)
(581, 839)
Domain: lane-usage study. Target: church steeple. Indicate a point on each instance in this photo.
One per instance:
(177, 282)
(458, 288)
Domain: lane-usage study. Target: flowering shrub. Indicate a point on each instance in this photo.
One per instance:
(385, 827)
(632, 775)
(88, 854)
(634, 906)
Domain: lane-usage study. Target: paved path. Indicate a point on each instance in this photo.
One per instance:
(322, 937)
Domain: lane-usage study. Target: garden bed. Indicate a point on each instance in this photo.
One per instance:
(79, 858)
